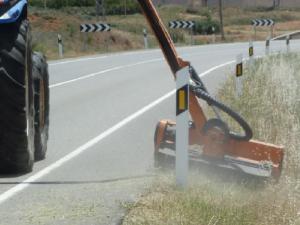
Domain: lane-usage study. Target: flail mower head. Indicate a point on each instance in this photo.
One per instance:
(210, 141)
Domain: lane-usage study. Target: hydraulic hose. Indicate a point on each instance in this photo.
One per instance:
(201, 92)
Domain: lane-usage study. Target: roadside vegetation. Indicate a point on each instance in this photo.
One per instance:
(271, 104)
(65, 17)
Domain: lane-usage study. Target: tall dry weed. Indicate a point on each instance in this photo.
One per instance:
(271, 104)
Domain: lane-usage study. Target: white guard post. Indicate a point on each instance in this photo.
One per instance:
(239, 75)
(251, 55)
(145, 38)
(60, 46)
(214, 35)
(182, 126)
(288, 48)
(254, 30)
(268, 46)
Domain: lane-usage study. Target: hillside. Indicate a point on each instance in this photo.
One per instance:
(127, 30)
(234, 3)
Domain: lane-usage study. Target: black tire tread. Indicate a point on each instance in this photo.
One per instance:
(40, 72)
(14, 143)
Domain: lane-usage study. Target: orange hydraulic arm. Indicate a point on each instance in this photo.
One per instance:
(167, 46)
(213, 142)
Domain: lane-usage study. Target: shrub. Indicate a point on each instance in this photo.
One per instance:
(207, 27)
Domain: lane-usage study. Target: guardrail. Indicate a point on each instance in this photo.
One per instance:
(292, 35)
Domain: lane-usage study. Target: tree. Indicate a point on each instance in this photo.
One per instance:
(191, 4)
(276, 3)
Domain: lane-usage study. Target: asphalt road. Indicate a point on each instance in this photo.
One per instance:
(103, 113)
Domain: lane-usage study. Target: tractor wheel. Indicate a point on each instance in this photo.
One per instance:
(16, 98)
(41, 104)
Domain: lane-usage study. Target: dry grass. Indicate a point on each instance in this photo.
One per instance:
(271, 104)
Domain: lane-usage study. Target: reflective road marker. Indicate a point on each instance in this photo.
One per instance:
(239, 74)
(251, 55)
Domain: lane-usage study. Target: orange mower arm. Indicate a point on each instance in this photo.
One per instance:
(213, 136)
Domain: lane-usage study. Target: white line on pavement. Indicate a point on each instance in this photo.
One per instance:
(76, 60)
(26, 183)
(104, 71)
(13, 191)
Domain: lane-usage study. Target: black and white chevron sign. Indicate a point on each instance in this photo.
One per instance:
(99, 27)
(263, 22)
(182, 24)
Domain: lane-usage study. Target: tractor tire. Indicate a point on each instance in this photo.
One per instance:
(41, 104)
(16, 98)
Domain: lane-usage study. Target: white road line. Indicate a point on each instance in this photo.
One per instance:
(216, 67)
(77, 60)
(104, 71)
(74, 60)
(26, 183)
(118, 68)
(13, 191)
(67, 61)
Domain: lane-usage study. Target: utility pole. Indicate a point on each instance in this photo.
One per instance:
(191, 4)
(100, 6)
(204, 3)
(103, 9)
(221, 19)
(125, 7)
(276, 4)
(97, 10)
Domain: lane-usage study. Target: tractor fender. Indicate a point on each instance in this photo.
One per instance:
(14, 13)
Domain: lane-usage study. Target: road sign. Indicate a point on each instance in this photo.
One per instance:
(182, 126)
(263, 22)
(98, 27)
(182, 24)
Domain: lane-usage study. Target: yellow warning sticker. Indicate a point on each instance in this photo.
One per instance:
(182, 100)
(251, 51)
(239, 70)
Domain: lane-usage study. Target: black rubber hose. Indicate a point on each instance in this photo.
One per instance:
(196, 78)
(203, 94)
